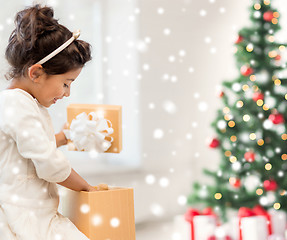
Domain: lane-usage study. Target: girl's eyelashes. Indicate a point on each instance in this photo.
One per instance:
(66, 85)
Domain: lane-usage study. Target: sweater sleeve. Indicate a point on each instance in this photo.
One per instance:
(20, 118)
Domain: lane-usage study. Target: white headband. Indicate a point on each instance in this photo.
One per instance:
(76, 34)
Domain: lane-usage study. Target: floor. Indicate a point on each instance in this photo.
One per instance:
(174, 229)
(155, 231)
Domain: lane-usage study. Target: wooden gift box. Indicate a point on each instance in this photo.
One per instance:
(102, 215)
(109, 112)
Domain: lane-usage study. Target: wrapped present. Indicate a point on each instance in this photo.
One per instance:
(260, 211)
(254, 228)
(213, 237)
(202, 224)
(94, 127)
(223, 232)
(276, 237)
(278, 222)
(102, 215)
(234, 227)
(254, 224)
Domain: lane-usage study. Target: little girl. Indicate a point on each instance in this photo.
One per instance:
(45, 59)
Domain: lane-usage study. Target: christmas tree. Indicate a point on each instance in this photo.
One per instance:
(250, 128)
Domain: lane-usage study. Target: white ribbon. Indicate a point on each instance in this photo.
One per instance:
(90, 132)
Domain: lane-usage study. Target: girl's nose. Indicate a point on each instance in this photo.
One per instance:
(67, 92)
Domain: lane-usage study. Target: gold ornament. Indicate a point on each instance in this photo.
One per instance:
(265, 107)
(227, 153)
(277, 206)
(274, 21)
(231, 124)
(267, 2)
(259, 102)
(233, 138)
(252, 136)
(268, 166)
(233, 159)
(257, 6)
(259, 191)
(240, 104)
(277, 82)
(217, 196)
(260, 142)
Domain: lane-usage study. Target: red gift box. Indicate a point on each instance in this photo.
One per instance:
(192, 213)
(256, 211)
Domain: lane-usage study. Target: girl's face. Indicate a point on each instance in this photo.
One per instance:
(55, 87)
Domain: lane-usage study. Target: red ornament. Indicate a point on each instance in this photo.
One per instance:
(235, 182)
(270, 185)
(258, 96)
(191, 213)
(276, 118)
(249, 156)
(256, 211)
(268, 16)
(278, 58)
(214, 143)
(246, 70)
(239, 39)
(221, 94)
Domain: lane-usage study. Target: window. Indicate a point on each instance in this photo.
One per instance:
(110, 78)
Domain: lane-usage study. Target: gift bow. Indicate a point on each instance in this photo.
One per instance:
(256, 211)
(192, 212)
(90, 132)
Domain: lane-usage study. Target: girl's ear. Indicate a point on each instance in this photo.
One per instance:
(35, 71)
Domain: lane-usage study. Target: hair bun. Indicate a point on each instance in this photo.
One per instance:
(37, 33)
(33, 22)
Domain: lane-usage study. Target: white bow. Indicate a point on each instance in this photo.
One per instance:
(90, 132)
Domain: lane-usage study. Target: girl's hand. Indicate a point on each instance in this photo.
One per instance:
(91, 189)
(100, 187)
(61, 138)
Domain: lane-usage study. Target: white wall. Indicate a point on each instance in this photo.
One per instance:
(174, 156)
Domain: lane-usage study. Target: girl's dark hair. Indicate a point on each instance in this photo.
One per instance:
(36, 35)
